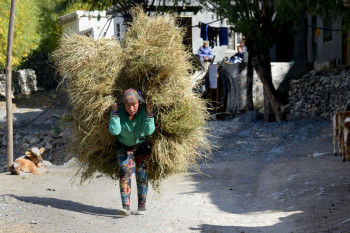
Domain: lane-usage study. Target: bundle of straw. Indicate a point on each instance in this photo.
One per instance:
(153, 59)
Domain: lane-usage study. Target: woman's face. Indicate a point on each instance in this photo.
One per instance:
(132, 108)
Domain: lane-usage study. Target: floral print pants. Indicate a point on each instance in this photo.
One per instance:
(141, 156)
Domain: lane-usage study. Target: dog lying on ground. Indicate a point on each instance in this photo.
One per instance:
(28, 163)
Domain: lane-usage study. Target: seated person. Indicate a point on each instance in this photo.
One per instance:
(238, 57)
(205, 54)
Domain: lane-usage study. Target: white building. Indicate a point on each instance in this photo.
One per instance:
(90, 23)
(98, 24)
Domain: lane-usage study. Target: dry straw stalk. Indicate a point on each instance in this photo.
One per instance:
(153, 59)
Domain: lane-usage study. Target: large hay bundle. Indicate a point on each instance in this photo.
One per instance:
(153, 59)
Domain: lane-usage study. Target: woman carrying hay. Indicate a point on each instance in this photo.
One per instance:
(132, 122)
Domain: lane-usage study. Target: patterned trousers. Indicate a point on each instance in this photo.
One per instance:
(141, 156)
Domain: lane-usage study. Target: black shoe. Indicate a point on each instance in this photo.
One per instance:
(141, 211)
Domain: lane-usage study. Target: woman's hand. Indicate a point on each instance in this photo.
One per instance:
(114, 107)
(149, 108)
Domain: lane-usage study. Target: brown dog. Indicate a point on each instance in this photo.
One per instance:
(29, 162)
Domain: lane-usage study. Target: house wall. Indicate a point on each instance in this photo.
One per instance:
(310, 40)
(72, 26)
(300, 41)
(331, 49)
(119, 21)
(82, 22)
(319, 51)
(206, 17)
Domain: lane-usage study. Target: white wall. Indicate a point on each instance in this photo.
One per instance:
(206, 17)
(84, 21)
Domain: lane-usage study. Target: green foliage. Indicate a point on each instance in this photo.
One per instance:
(26, 38)
(329, 9)
(49, 30)
(36, 28)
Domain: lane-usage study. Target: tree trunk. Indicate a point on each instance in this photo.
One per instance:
(263, 69)
(250, 104)
(269, 115)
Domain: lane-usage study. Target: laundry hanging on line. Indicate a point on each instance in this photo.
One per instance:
(223, 36)
(212, 34)
(204, 31)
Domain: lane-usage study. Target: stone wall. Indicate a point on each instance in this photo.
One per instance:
(23, 82)
(39, 75)
(305, 93)
(320, 93)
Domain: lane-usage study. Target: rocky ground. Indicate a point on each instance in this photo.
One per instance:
(263, 177)
(43, 120)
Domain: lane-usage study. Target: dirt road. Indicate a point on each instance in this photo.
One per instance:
(264, 177)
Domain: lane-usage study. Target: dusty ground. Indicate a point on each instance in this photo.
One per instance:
(264, 177)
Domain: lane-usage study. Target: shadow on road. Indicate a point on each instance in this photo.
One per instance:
(70, 205)
(276, 178)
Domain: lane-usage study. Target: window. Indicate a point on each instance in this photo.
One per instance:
(327, 30)
(118, 31)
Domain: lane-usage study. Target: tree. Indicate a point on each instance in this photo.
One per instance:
(49, 30)
(26, 37)
(36, 28)
(260, 21)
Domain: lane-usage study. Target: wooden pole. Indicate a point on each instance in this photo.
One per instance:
(9, 87)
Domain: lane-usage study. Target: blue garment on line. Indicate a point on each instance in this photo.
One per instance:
(223, 36)
(204, 31)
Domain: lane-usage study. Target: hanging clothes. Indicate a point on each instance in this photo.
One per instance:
(213, 34)
(223, 36)
(204, 31)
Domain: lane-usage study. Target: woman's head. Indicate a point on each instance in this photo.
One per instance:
(131, 99)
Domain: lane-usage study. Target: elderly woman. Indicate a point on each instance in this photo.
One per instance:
(132, 122)
(205, 54)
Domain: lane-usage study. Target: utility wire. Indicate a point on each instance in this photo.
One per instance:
(108, 21)
(198, 25)
(326, 29)
(47, 109)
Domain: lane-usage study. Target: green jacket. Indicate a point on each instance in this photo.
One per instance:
(131, 133)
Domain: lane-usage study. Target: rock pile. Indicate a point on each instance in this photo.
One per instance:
(320, 94)
(40, 75)
(52, 136)
(23, 82)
